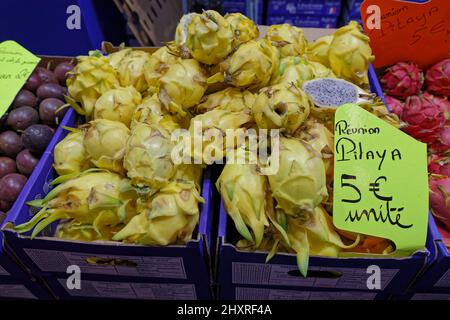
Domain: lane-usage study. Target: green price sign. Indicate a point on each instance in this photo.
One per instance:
(380, 180)
(16, 65)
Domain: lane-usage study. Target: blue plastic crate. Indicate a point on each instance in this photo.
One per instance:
(304, 7)
(305, 21)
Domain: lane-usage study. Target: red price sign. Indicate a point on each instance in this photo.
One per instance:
(407, 31)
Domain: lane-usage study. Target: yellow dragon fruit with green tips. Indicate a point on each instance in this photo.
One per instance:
(244, 195)
(151, 111)
(182, 86)
(243, 28)
(105, 143)
(215, 123)
(299, 185)
(298, 70)
(70, 155)
(321, 140)
(157, 65)
(207, 36)
(231, 99)
(91, 77)
(189, 173)
(314, 237)
(250, 66)
(87, 198)
(318, 50)
(75, 231)
(169, 217)
(129, 64)
(350, 54)
(117, 105)
(282, 106)
(148, 158)
(288, 39)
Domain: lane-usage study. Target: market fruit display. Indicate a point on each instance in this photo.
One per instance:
(422, 104)
(118, 179)
(28, 127)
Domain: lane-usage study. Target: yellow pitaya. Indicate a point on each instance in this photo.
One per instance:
(91, 77)
(350, 54)
(282, 106)
(148, 158)
(117, 105)
(299, 185)
(105, 143)
(318, 50)
(231, 99)
(250, 66)
(129, 64)
(70, 155)
(243, 28)
(182, 86)
(244, 195)
(208, 36)
(157, 65)
(215, 124)
(169, 217)
(288, 39)
(87, 198)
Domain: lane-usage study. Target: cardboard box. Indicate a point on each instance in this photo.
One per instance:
(436, 277)
(304, 7)
(100, 289)
(271, 293)
(340, 276)
(46, 256)
(31, 289)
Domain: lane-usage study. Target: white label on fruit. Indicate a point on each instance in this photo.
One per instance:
(124, 290)
(275, 294)
(16, 291)
(3, 272)
(165, 291)
(444, 281)
(431, 296)
(287, 275)
(152, 267)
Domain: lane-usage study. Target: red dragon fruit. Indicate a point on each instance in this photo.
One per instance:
(425, 117)
(402, 80)
(439, 165)
(440, 198)
(442, 142)
(438, 78)
(395, 105)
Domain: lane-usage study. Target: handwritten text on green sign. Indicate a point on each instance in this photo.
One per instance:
(16, 65)
(380, 179)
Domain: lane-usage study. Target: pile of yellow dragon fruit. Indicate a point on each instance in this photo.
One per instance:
(119, 182)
